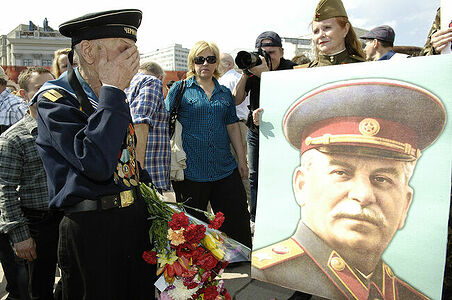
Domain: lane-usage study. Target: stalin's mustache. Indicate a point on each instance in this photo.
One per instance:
(354, 211)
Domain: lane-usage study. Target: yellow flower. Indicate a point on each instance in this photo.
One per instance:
(209, 242)
(212, 245)
(176, 236)
(218, 253)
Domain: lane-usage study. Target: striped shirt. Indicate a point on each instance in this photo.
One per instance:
(12, 108)
(205, 137)
(22, 178)
(146, 103)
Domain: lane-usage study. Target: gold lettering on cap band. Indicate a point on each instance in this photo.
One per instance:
(360, 139)
(130, 31)
(369, 127)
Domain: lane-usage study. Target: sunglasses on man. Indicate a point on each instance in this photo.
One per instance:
(199, 60)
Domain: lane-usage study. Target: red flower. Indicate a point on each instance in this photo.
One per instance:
(178, 221)
(150, 257)
(210, 293)
(207, 261)
(220, 266)
(205, 276)
(193, 234)
(191, 252)
(217, 221)
(225, 294)
(190, 284)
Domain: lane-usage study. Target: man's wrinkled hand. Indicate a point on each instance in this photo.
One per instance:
(119, 71)
(26, 249)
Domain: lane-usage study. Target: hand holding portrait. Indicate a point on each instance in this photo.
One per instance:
(441, 38)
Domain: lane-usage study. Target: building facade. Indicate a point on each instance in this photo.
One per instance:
(31, 45)
(171, 58)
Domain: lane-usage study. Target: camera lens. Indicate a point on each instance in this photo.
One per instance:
(246, 60)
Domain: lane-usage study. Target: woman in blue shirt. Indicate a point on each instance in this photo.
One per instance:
(209, 124)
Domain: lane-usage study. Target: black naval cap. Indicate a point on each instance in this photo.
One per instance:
(121, 23)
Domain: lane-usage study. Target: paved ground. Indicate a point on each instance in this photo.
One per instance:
(237, 280)
(238, 283)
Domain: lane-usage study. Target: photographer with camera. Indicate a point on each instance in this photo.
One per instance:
(268, 57)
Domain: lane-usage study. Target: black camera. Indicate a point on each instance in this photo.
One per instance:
(246, 60)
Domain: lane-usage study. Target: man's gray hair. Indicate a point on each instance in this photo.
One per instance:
(226, 60)
(152, 68)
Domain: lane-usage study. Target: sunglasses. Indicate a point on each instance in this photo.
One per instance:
(199, 60)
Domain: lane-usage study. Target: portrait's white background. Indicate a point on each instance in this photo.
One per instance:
(417, 252)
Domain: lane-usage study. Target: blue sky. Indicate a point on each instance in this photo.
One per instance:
(233, 23)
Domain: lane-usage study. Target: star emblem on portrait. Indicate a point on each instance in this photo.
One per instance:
(262, 256)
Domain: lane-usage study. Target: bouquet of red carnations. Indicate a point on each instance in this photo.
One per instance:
(189, 255)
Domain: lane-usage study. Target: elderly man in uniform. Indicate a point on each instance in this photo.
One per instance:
(357, 156)
(87, 144)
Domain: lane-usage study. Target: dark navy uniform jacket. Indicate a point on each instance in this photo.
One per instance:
(306, 263)
(84, 157)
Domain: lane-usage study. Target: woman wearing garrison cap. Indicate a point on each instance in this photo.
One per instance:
(335, 40)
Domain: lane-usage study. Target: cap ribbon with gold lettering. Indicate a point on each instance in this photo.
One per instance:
(121, 23)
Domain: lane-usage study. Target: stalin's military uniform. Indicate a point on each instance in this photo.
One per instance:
(322, 120)
(306, 260)
(87, 145)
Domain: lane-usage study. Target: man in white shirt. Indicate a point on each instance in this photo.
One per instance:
(229, 79)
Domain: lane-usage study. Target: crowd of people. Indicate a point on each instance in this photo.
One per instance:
(76, 142)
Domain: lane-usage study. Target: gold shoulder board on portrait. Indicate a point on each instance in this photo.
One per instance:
(52, 95)
(275, 254)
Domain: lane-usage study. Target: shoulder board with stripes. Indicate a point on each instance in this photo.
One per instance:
(52, 95)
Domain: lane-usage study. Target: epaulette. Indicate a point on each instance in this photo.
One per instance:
(275, 254)
(303, 66)
(52, 95)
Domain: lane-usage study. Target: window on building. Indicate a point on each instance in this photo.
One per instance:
(28, 62)
(46, 62)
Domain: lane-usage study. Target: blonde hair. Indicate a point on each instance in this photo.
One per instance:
(198, 48)
(55, 65)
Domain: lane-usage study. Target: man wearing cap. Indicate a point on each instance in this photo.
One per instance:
(87, 144)
(249, 82)
(379, 44)
(353, 187)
